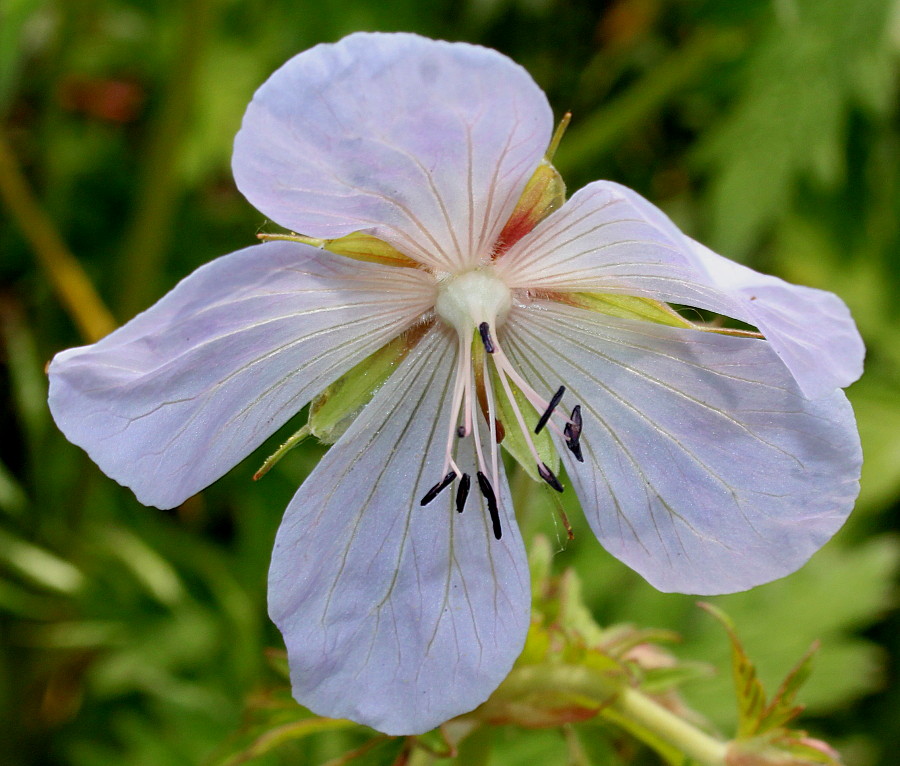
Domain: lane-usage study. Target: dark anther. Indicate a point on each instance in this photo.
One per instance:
(557, 397)
(488, 491)
(548, 476)
(432, 493)
(460, 431)
(572, 432)
(485, 329)
(462, 492)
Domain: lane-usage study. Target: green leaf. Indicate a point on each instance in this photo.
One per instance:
(751, 697)
(276, 736)
(789, 121)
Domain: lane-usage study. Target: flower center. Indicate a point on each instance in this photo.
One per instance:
(472, 298)
(476, 303)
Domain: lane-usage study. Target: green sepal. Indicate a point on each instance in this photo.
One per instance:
(544, 193)
(629, 307)
(332, 411)
(356, 245)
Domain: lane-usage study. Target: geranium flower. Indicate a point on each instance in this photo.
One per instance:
(709, 461)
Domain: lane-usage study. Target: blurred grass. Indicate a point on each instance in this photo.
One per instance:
(131, 635)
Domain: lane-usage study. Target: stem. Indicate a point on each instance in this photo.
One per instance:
(623, 705)
(694, 743)
(62, 269)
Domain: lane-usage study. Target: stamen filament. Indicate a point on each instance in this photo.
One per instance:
(462, 373)
(537, 401)
(492, 417)
(526, 432)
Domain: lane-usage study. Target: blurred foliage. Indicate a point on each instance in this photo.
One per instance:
(768, 128)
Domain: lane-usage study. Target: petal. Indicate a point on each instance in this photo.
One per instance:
(424, 144)
(608, 238)
(395, 615)
(175, 398)
(811, 330)
(706, 469)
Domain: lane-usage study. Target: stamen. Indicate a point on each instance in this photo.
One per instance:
(462, 492)
(548, 476)
(572, 432)
(432, 493)
(488, 491)
(557, 397)
(485, 329)
(461, 431)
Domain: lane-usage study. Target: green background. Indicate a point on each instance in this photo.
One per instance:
(766, 128)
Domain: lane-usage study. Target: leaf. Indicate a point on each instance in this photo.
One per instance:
(276, 736)
(788, 122)
(751, 697)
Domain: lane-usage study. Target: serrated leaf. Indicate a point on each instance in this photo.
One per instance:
(788, 123)
(751, 696)
(781, 710)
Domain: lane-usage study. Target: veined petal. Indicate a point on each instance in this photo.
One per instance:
(706, 468)
(811, 330)
(424, 144)
(176, 397)
(395, 615)
(609, 239)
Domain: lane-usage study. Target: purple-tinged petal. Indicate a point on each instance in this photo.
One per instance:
(608, 238)
(175, 398)
(706, 468)
(424, 144)
(811, 330)
(395, 615)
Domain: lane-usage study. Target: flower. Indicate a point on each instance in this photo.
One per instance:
(447, 274)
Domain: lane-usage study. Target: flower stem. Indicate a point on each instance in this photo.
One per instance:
(624, 706)
(65, 274)
(696, 744)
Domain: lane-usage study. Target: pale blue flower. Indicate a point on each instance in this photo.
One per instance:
(711, 462)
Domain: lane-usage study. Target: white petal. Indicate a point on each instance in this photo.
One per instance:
(424, 144)
(706, 469)
(175, 398)
(608, 238)
(395, 615)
